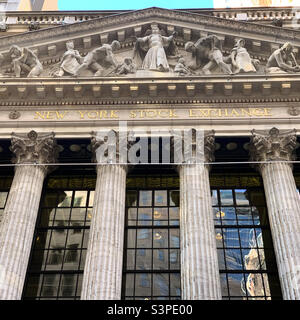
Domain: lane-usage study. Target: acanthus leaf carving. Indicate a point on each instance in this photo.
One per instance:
(34, 148)
(272, 145)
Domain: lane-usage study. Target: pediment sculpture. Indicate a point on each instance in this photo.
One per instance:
(70, 61)
(153, 54)
(98, 59)
(241, 60)
(283, 60)
(25, 61)
(208, 54)
(150, 52)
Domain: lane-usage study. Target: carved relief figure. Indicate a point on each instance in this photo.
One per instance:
(127, 67)
(283, 60)
(181, 69)
(99, 58)
(150, 52)
(70, 61)
(25, 60)
(208, 54)
(241, 60)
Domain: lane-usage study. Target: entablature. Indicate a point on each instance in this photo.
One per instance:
(117, 90)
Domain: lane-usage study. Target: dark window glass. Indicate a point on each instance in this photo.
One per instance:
(60, 241)
(245, 251)
(152, 254)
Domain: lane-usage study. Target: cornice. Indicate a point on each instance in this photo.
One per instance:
(135, 91)
(118, 21)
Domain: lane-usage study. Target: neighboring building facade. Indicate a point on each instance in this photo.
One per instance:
(28, 5)
(222, 224)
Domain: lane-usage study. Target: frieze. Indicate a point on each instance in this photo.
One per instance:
(293, 111)
(144, 113)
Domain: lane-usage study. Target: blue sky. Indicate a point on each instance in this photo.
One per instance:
(131, 4)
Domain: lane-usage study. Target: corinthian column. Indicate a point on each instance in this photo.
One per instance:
(102, 277)
(283, 203)
(200, 279)
(19, 218)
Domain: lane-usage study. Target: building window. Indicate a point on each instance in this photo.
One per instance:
(245, 251)
(246, 257)
(152, 246)
(60, 241)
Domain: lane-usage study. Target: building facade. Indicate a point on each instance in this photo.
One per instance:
(150, 154)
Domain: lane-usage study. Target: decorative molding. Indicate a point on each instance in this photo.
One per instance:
(142, 16)
(14, 115)
(293, 111)
(199, 149)
(117, 144)
(272, 145)
(34, 148)
(168, 101)
(116, 90)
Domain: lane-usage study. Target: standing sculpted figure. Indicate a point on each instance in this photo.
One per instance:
(241, 60)
(99, 56)
(150, 51)
(283, 60)
(25, 60)
(208, 54)
(70, 61)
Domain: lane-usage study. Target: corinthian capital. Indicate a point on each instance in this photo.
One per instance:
(273, 145)
(34, 148)
(110, 147)
(193, 146)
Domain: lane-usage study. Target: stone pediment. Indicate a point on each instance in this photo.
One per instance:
(50, 44)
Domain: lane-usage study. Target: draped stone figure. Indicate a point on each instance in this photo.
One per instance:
(282, 60)
(100, 59)
(241, 60)
(150, 52)
(70, 61)
(25, 60)
(208, 54)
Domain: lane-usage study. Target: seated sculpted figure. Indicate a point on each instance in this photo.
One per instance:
(283, 60)
(150, 51)
(181, 69)
(241, 60)
(94, 59)
(70, 61)
(25, 60)
(208, 54)
(127, 67)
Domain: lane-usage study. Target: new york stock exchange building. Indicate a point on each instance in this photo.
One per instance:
(150, 155)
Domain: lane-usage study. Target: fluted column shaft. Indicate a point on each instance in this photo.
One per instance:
(200, 279)
(21, 210)
(284, 214)
(103, 268)
(17, 229)
(273, 150)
